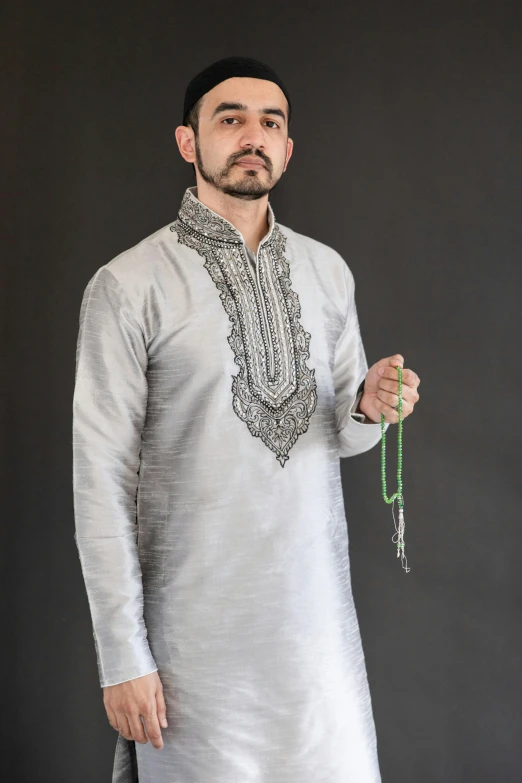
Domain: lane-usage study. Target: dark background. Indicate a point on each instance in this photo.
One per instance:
(407, 160)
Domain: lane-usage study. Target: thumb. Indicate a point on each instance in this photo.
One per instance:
(161, 708)
(396, 359)
(391, 361)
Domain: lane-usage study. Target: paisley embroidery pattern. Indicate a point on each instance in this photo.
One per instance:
(274, 392)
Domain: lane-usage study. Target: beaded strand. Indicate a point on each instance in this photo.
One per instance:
(399, 530)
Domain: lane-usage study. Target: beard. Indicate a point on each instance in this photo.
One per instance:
(237, 181)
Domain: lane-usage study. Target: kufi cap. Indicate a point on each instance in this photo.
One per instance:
(224, 69)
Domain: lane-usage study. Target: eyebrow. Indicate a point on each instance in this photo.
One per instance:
(226, 106)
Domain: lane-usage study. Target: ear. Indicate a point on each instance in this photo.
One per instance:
(186, 142)
(289, 150)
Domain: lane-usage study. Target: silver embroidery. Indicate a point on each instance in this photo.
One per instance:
(274, 392)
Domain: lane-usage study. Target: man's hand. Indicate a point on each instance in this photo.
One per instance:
(127, 701)
(381, 390)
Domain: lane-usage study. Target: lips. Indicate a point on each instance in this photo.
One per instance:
(250, 164)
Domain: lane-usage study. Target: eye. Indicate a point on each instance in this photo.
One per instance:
(226, 120)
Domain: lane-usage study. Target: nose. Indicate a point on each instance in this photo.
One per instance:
(253, 136)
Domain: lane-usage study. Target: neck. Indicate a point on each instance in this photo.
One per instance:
(249, 217)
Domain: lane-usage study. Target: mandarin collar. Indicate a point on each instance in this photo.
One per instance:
(204, 221)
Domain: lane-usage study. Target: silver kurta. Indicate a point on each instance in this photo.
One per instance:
(214, 394)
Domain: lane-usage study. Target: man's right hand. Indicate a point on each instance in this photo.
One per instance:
(126, 701)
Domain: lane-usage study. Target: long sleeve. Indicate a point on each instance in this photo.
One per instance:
(349, 372)
(109, 407)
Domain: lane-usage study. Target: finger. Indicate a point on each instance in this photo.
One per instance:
(123, 726)
(136, 727)
(391, 416)
(390, 400)
(409, 378)
(113, 719)
(153, 728)
(161, 708)
(408, 393)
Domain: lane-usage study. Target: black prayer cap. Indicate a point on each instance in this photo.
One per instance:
(227, 68)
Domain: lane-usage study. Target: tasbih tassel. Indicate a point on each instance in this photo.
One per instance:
(400, 529)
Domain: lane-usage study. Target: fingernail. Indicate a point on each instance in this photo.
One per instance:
(381, 370)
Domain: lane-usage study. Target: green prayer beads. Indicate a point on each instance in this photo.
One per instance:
(397, 495)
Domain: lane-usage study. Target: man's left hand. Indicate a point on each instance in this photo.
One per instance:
(381, 390)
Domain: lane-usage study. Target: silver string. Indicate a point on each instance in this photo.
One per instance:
(400, 538)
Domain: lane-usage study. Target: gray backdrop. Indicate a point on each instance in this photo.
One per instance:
(407, 161)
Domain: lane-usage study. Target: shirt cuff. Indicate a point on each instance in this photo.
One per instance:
(359, 417)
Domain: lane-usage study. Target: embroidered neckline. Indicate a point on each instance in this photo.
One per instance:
(200, 218)
(275, 391)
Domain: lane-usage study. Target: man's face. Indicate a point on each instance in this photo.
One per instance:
(228, 136)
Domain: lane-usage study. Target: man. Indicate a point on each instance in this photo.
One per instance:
(220, 375)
